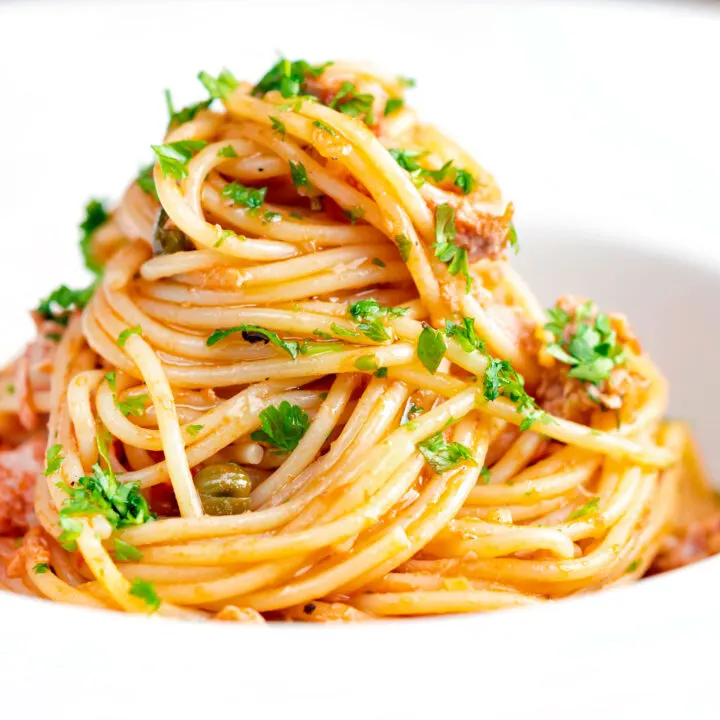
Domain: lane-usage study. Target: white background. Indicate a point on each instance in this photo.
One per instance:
(600, 118)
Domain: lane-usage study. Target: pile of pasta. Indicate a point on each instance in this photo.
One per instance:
(307, 383)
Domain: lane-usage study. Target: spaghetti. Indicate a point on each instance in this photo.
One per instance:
(308, 385)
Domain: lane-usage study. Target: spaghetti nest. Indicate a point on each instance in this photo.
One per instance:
(308, 385)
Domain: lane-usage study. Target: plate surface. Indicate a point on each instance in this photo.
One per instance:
(600, 121)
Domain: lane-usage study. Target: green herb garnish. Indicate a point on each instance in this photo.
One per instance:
(53, 459)
(282, 427)
(249, 197)
(95, 216)
(430, 348)
(255, 334)
(174, 157)
(442, 455)
(146, 591)
(125, 334)
(221, 86)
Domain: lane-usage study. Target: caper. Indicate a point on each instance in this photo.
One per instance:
(168, 239)
(224, 489)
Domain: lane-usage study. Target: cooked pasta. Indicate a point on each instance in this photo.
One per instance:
(307, 384)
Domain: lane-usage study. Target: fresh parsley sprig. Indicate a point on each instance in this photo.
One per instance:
(590, 347)
(282, 427)
(221, 86)
(95, 216)
(455, 257)
(249, 197)
(174, 157)
(255, 334)
(443, 456)
(288, 77)
(350, 102)
(61, 302)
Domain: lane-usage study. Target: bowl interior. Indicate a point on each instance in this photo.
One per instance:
(671, 303)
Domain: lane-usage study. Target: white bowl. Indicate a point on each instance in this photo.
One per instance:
(602, 126)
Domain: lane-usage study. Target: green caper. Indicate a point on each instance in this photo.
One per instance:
(168, 239)
(224, 489)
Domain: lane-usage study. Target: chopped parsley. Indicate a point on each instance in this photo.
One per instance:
(180, 117)
(53, 459)
(173, 157)
(146, 591)
(125, 552)
(377, 261)
(446, 250)
(146, 181)
(392, 105)
(122, 504)
(366, 363)
(464, 181)
(325, 128)
(71, 531)
(411, 411)
(249, 197)
(288, 77)
(354, 214)
(407, 82)
(133, 405)
(255, 334)
(586, 509)
(278, 126)
(632, 567)
(194, 429)
(513, 238)
(484, 475)
(465, 335)
(408, 160)
(404, 246)
(299, 175)
(282, 426)
(342, 332)
(227, 152)
(125, 334)
(591, 348)
(355, 104)
(95, 216)
(430, 348)
(502, 379)
(373, 310)
(41, 568)
(442, 455)
(221, 86)
(381, 372)
(61, 302)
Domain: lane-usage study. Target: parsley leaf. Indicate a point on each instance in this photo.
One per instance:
(125, 334)
(53, 459)
(445, 248)
(62, 301)
(227, 152)
(431, 348)
(254, 334)
(466, 336)
(278, 126)
(350, 102)
(366, 363)
(404, 246)
(342, 332)
(180, 117)
(122, 504)
(502, 379)
(145, 591)
(372, 310)
(221, 86)
(133, 405)
(513, 238)
(299, 175)
(443, 456)
(464, 181)
(392, 105)
(246, 196)
(71, 530)
(194, 429)
(586, 509)
(125, 552)
(592, 349)
(381, 372)
(95, 216)
(354, 214)
(173, 157)
(377, 261)
(146, 181)
(288, 77)
(41, 568)
(282, 427)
